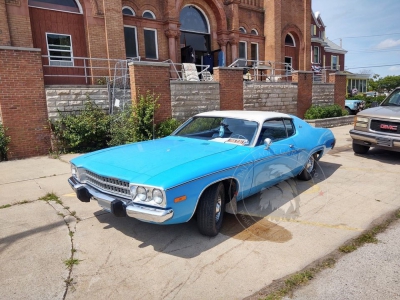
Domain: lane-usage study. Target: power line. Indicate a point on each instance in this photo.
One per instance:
(379, 66)
(365, 36)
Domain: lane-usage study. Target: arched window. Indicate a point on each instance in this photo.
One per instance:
(61, 5)
(148, 14)
(192, 19)
(254, 32)
(242, 30)
(128, 11)
(289, 41)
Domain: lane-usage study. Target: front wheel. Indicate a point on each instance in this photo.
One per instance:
(360, 149)
(211, 208)
(309, 169)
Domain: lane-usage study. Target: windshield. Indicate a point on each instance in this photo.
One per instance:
(224, 130)
(393, 99)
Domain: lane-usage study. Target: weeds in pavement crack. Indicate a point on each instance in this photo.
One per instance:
(71, 261)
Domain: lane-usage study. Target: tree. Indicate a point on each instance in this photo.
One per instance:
(387, 83)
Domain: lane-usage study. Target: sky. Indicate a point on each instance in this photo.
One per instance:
(370, 32)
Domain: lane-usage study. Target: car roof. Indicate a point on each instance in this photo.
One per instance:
(258, 116)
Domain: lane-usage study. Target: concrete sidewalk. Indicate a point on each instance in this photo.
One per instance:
(127, 259)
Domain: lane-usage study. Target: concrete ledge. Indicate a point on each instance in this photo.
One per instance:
(20, 48)
(331, 122)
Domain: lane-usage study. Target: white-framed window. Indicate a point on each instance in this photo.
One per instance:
(59, 49)
(335, 62)
(72, 6)
(242, 54)
(254, 32)
(148, 14)
(254, 51)
(316, 55)
(128, 11)
(313, 30)
(289, 40)
(131, 49)
(150, 43)
(288, 65)
(242, 30)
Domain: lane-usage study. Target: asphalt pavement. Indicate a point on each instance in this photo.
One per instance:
(56, 247)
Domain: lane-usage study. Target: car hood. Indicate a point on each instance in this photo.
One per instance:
(139, 162)
(384, 112)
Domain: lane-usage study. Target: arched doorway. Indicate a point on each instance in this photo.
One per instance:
(58, 29)
(291, 53)
(195, 36)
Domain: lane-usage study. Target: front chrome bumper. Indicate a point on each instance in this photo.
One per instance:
(375, 140)
(118, 206)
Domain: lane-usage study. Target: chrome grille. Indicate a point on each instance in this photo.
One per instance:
(107, 184)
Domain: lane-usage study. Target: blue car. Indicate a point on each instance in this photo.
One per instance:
(354, 106)
(206, 166)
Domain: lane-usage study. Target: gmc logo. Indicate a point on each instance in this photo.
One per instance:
(389, 127)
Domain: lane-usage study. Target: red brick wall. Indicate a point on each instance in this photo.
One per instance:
(339, 80)
(145, 76)
(19, 23)
(304, 81)
(231, 87)
(23, 102)
(4, 29)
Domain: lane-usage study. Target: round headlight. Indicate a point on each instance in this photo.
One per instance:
(141, 193)
(132, 190)
(158, 196)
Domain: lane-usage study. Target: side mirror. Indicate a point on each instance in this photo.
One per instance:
(267, 143)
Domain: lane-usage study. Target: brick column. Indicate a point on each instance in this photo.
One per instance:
(23, 102)
(339, 81)
(304, 81)
(230, 86)
(5, 39)
(152, 77)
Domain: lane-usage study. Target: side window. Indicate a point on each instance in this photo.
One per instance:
(130, 41)
(273, 129)
(59, 48)
(150, 43)
(289, 127)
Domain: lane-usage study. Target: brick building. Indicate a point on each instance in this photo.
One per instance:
(74, 32)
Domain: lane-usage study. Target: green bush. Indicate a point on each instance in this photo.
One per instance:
(4, 141)
(83, 132)
(167, 127)
(143, 121)
(122, 127)
(322, 112)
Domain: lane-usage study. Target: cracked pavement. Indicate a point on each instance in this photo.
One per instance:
(277, 232)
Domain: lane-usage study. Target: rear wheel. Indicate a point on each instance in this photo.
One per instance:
(349, 111)
(211, 208)
(309, 169)
(360, 149)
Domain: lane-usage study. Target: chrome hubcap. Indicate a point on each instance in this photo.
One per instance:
(218, 209)
(310, 164)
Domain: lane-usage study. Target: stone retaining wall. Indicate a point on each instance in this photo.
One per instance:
(189, 98)
(323, 94)
(270, 97)
(72, 99)
(331, 122)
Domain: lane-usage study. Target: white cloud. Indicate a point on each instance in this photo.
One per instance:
(394, 69)
(389, 43)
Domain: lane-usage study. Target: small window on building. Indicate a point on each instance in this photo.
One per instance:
(128, 11)
(148, 14)
(242, 54)
(150, 43)
(254, 52)
(289, 41)
(316, 55)
(59, 49)
(335, 62)
(130, 41)
(313, 30)
(242, 30)
(254, 32)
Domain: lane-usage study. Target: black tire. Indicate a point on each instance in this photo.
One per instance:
(349, 111)
(309, 169)
(210, 210)
(360, 149)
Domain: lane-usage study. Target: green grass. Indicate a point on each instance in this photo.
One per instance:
(71, 262)
(51, 197)
(5, 206)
